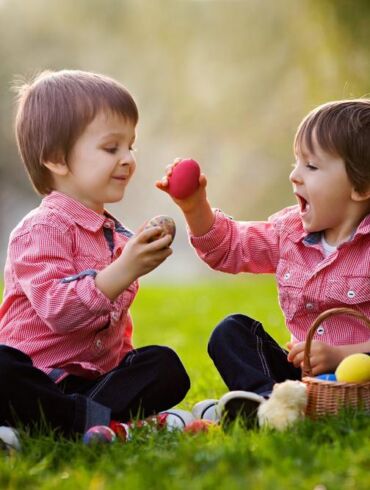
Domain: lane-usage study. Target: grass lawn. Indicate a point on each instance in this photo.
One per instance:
(328, 454)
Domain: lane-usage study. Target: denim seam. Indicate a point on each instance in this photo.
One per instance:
(101, 385)
(260, 353)
(130, 357)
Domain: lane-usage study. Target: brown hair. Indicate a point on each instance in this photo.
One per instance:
(54, 110)
(341, 128)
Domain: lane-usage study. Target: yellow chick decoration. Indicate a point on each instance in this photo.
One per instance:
(354, 369)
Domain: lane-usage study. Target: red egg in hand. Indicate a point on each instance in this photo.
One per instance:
(184, 179)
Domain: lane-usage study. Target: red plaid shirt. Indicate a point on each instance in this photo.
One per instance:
(51, 308)
(308, 282)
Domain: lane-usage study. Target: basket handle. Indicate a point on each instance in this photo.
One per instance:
(307, 369)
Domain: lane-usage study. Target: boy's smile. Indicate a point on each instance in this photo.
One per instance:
(101, 162)
(325, 195)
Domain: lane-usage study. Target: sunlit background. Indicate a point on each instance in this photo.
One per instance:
(225, 82)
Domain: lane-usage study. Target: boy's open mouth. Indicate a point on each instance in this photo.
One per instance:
(303, 204)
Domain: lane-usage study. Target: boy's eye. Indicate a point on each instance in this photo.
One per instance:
(111, 149)
(132, 148)
(311, 166)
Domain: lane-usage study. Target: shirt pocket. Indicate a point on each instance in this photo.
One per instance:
(291, 283)
(349, 291)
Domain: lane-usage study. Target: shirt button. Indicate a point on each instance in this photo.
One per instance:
(320, 330)
(99, 344)
(309, 306)
(351, 294)
(118, 252)
(287, 275)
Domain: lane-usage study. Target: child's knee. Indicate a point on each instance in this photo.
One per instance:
(171, 367)
(6, 373)
(11, 360)
(231, 329)
(10, 355)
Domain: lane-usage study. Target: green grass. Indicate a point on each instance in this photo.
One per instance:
(327, 454)
(183, 317)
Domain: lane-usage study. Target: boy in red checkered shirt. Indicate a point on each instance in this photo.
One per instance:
(319, 251)
(66, 353)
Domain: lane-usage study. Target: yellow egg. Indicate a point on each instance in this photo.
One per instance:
(354, 369)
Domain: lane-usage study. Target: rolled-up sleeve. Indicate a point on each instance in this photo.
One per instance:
(239, 246)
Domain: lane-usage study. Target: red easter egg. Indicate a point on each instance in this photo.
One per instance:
(199, 425)
(184, 179)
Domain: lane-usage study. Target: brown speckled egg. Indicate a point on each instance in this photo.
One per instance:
(165, 222)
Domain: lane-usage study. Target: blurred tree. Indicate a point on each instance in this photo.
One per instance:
(226, 82)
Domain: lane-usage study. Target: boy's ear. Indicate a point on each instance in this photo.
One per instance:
(360, 196)
(57, 167)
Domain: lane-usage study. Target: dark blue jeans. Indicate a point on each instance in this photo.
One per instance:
(147, 381)
(247, 357)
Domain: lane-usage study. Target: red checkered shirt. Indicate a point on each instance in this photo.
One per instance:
(51, 308)
(308, 282)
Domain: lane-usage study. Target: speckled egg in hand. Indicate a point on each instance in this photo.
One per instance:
(165, 222)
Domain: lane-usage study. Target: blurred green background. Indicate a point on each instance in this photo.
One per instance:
(225, 82)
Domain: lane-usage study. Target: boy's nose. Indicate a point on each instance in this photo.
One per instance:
(294, 176)
(127, 158)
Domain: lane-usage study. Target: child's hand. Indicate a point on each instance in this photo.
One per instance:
(197, 210)
(190, 203)
(324, 358)
(145, 251)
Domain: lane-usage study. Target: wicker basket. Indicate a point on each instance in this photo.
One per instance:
(328, 397)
